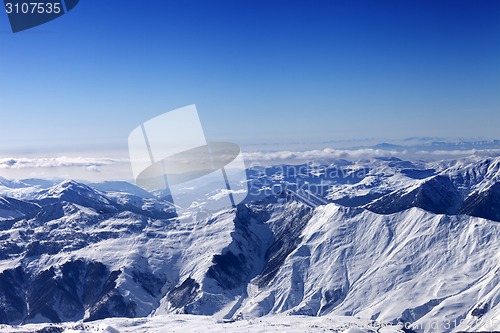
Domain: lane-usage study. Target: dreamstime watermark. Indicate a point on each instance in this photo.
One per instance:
(170, 153)
(308, 178)
(432, 325)
(447, 325)
(27, 14)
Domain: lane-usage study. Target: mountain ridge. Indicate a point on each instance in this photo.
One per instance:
(272, 254)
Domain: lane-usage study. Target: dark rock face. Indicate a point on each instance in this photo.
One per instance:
(51, 329)
(18, 210)
(61, 294)
(229, 270)
(237, 264)
(480, 310)
(441, 195)
(483, 204)
(332, 297)
(438, 195)
(111, 303)
(12, 290)
(149, 282)
(287, 237)
(183, 294)
(418, 173)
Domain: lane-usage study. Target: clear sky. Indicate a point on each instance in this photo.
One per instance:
(258, 71)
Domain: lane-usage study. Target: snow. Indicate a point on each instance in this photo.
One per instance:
(412, 256)
(205, 324)
(263, 266)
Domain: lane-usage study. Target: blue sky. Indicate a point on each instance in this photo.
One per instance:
(258, 71)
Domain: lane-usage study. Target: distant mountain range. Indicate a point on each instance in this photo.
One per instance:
(442, 145)
(383, 239)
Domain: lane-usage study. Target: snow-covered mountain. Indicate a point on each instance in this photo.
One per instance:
(384, 239)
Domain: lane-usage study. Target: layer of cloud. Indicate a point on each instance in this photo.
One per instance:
(325, 155)
(91, 164)
(105, 168)
(313, 155)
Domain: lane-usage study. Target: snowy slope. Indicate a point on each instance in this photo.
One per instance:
(354, 262)
(71, 251)
(203, 324)
(389, 185)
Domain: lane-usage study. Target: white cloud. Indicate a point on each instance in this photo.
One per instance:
(224, 193)
(315, 155)
(92, 164)
(328, 155)
(118, 168)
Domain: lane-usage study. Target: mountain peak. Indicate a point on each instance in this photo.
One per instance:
(71, 185)
(75, 192)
